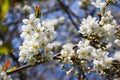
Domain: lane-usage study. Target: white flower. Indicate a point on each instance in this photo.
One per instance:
(85, 50)
(84, 3)
(22, 56)
(27, 8)
(109, 32)
(36, 36)
(117, 55)
(117, 42)
(56, 43)
(109, 46)
(89, 25)
(85, 53)
(1, 42)
(54, 22)
(33, 21)
(113, 46)
(32, 60)
(83, 43)
(101, 60)
(48, 48)
(98, 65)
(101, 54)
(67, 52)
(107, 18)
(107, 62)
(61, 19)
(99, 4)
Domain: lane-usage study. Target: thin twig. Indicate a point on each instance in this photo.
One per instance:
(55, 57)
(82, 71)
(80, 67)
(25, 67)
(65, 8)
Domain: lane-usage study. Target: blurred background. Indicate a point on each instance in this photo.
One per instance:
(65, 15)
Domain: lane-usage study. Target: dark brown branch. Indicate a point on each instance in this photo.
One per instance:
(51, 10)
(19, 20)
(77, 62)
(65, 8)
(76, 16)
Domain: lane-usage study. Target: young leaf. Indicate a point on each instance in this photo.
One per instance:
(6, 65)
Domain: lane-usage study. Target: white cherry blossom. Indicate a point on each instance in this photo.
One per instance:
(89, 25)
(36, 35)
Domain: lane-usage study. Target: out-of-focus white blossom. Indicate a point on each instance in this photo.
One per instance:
(117, 55)
(117, 42)
(99, 4)
(84, 3)
(61, 19)
(18, 8)
(27, 8)
(54, 22)
(36, 36)
(1, 42)
(56, 43)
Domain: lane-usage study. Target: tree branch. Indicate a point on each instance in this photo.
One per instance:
(65, 8)
(55, 57)
(25, 67)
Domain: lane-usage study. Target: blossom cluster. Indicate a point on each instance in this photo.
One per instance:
(37, 37)
(67, 52)
(100, 38)
(86, 51)
(101, 4)
(105, 28)
(97, 3)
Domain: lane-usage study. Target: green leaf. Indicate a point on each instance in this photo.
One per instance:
(4, 50)
(3, 29)
(4, 7)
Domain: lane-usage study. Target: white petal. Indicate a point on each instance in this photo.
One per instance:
(32, 17)
(24, 27)
(25, 21)
(37, 20)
